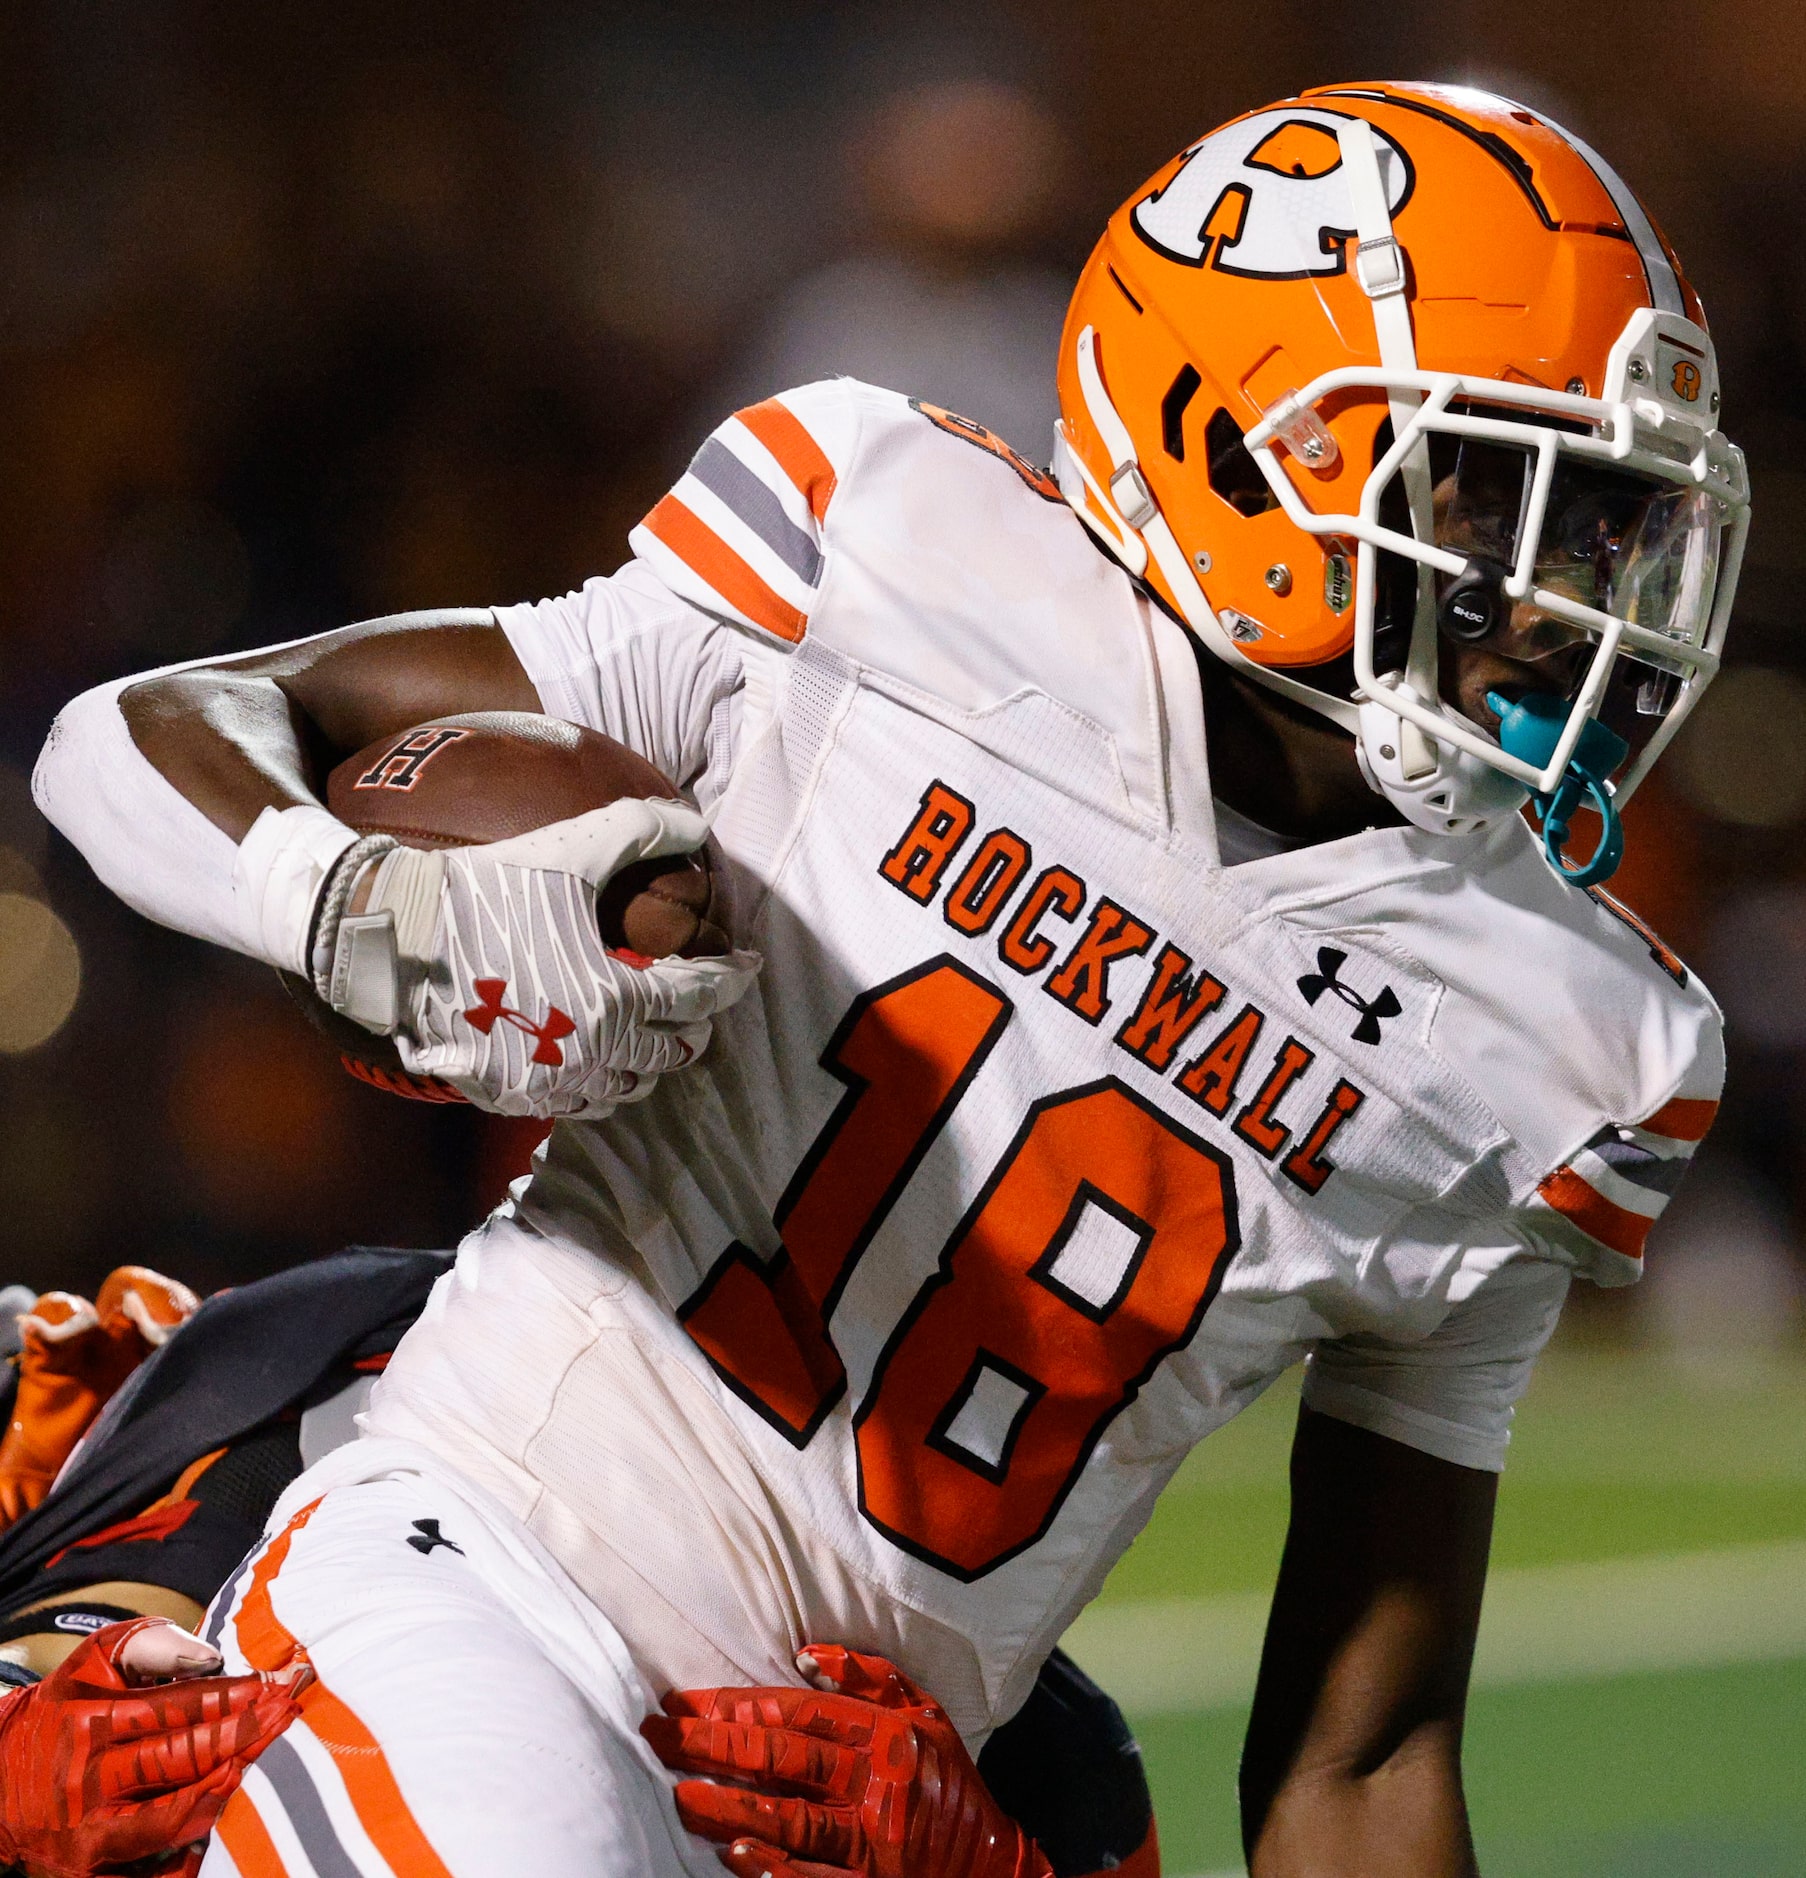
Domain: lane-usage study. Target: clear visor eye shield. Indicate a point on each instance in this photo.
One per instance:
(1593, 541)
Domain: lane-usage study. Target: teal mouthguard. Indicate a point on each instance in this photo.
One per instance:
(1529, 730)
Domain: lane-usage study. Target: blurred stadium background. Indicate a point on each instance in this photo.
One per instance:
(309, 314)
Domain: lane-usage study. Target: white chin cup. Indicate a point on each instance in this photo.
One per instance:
(1434, 785)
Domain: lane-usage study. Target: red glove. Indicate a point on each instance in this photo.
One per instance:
(95, 1773)
(868, 1781)
(74, 1356)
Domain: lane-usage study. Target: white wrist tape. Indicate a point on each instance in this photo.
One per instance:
(281, 866)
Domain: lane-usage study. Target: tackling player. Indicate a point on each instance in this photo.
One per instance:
(1160, 985)
(166, 1495)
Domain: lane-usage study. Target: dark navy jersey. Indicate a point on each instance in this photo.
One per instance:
(174, 1481)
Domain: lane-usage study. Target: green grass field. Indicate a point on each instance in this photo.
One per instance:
(1694, 1770)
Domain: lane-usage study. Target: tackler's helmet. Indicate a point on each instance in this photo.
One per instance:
(1390, 365)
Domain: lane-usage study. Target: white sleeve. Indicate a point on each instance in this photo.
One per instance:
(162, 856)
(1451, 1393)
(626, 656)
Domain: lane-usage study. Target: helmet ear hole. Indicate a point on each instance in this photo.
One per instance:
(1234, 474)
(1172, 411)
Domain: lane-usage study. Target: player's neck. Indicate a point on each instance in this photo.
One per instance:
(1281, 765)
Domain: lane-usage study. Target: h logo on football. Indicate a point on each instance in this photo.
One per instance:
(490, 1010)
(1267, 198)
(1373, 1010)
(400, 767)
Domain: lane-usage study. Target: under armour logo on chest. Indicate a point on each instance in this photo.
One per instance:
(490, 1010)
(1373, 1010)
(426, 1537)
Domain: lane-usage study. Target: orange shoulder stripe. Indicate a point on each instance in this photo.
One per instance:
(800, 457)
(1595, 1215)
(696, 544)
(356, 1753)
(247, 1838)
(1682, 1119)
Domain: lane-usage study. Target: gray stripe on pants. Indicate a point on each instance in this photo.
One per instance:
(287, 1773)
(228, 1596)
(717, 468)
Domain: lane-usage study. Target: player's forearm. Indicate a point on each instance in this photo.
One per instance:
(144, 838)
(232, 744)
(161, 780)
(1405, 1818)
(42, 1651)
(1353, 1757)
(257, 732)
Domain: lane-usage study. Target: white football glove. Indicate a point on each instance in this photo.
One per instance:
(487, 966)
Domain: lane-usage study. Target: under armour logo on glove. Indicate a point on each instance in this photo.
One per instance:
(426, 1537)
(491, 991)
(1373, 1010)
(446, 935)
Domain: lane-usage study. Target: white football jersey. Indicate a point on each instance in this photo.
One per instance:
(1045, 1140)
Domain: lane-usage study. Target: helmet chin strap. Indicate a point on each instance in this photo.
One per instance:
(1434, 785)
(1379, 267)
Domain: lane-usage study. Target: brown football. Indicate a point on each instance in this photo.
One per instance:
(487, 775)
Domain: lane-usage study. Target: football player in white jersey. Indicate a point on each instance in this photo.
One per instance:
(1161, 984)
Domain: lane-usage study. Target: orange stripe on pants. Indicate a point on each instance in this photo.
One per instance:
(242, 1831)
(265, 1643)
(356, 1753)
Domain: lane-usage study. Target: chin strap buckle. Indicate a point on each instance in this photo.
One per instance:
(1380, 267)
(1129, 491)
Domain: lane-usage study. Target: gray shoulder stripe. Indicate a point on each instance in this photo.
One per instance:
(717, 468)
(306, 1811)
(1658, 270)
(1653, 1172)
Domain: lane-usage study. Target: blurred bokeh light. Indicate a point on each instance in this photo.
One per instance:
(40, 973)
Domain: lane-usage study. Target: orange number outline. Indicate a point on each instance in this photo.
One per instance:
(963, 1538)
(906, 1052)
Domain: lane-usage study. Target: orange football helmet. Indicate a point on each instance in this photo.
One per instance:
(1386, 364)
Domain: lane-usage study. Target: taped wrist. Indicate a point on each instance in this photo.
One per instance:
(280, 869)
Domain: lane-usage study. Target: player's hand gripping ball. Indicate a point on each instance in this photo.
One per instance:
(530, 923)
(129, 1752)
(861, 1777)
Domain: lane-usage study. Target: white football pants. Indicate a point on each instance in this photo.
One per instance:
(474, 1716)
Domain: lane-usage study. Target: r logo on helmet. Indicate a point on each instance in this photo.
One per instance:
(1266, 198)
